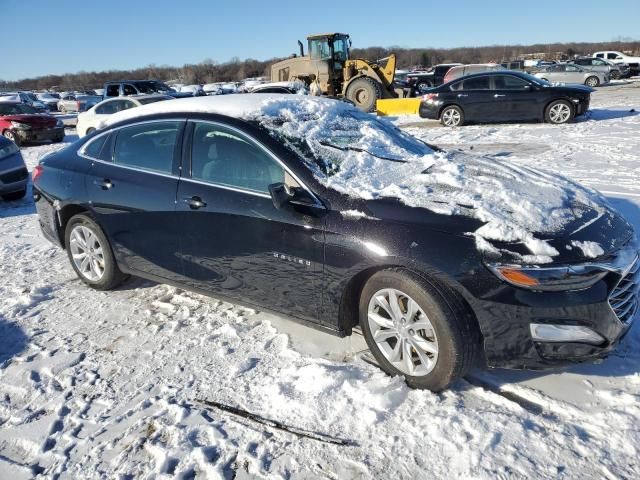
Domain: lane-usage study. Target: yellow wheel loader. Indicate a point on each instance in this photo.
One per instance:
(329, 66)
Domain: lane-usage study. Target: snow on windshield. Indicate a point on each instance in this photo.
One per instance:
(366, 157)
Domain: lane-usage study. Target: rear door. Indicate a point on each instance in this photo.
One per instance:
(476, 99)
(574, 74)
(234, 241)
(132, 186)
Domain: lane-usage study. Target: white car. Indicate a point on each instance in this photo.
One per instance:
(92, 119)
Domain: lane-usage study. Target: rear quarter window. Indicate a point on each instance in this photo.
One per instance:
(99, 148)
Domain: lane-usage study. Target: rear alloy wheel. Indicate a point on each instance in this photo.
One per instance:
(452, 116)
(559, 112)
(418, 329)
(90, 254)
(10, 197)
(592, 82)
(364, 92)
(423, 87)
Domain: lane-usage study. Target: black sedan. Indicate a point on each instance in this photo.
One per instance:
(503, 97)
(308, 207)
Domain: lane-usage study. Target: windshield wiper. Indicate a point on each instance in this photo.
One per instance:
(361, 150)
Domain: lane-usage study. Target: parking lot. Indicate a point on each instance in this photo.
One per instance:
(98, 384)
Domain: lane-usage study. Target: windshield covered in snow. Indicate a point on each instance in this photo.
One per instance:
(331, 135)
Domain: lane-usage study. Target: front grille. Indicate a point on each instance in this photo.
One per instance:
(624, 298)
(14, 176)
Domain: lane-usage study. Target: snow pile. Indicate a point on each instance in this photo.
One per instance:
(589, 249)
(362, 156)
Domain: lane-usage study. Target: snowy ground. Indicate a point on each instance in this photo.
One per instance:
(128, 384)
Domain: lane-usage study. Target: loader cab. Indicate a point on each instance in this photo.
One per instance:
(332, 50)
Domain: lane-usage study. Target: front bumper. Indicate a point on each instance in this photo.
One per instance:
(36, 135)
(505, 314)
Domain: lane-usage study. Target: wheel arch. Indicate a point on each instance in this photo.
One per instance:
(555, 99)
(65, 214)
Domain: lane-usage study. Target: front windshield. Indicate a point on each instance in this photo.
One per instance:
(319, 49)
(328, 134)
(16, 109)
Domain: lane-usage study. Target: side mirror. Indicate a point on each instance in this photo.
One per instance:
(280, 194)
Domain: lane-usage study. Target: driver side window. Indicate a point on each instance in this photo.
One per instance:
(222, 156)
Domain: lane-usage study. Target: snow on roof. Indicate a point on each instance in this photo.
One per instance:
(362, 156)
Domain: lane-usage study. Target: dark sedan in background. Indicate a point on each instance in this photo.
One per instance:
(13, 171)
(22, 123)
(504, 96)
(246, 210)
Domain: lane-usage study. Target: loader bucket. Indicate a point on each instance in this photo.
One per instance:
(398, 106)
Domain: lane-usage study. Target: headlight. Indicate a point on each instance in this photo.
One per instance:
(8, 150)
(20, 126)
(572, 277)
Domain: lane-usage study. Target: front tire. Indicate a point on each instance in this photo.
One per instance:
(615, 75)
(592, 82)
(90, 254)
(452, 116)
(559, 112)
(364, 92)
(418, 328)
(422, 87)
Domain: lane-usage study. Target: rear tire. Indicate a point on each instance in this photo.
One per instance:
(90, 254)
(364, 92)
(11, 136)
(10, 197)
(422, 87)
(559, 112)
(592, 82)
(431, 333)
(452, 116)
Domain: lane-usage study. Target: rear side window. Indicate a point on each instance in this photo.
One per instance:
(149, 146)
(222, 156)
(509, 82)
(479, 83)
(100, 148)
(113, 90)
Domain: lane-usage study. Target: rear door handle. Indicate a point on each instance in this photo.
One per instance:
(104, 184)
(497, 95)
(460, 95)
(194, 202)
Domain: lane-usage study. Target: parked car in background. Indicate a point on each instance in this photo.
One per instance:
(422, 81)
(464, 70)
(125, 88)
(91, 120)
(50, 99)
(619, 57)
(280, 87)
(193, 90)
(212, 88)
(77, 103)
(570, 73)
(612, 70)
(504, 96)
(27, 98)
(176, 193)
(13, 171)
(516, 65)
(22, 123)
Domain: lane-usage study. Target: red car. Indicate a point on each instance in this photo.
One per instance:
(22, 123)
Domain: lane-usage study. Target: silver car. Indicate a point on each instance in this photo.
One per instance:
(13, 172)
(570, 73)
(601, 65)
(77, 103)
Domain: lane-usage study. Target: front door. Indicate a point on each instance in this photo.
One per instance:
(132, 184)
(514, 99)
(235, 241)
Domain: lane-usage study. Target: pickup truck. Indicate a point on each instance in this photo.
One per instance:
(619, 57)
(422, 81)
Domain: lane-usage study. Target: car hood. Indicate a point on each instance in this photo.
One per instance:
(37, 120)
(514, 213)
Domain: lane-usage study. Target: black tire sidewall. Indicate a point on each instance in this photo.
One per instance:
(364, 81)
(439, 314)
(112, 275)
(452, 107)
(548, 118)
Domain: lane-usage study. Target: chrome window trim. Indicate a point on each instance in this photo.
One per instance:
(317, 202)
(227, 187)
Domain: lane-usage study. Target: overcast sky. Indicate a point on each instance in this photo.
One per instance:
(48, 36)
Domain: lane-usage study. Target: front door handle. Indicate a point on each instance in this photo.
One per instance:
(460, 95)
(104, 184)
(497, 95)
(195, 202)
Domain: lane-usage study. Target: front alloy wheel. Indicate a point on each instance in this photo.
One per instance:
(402, 332)
(559, 112)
